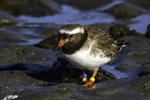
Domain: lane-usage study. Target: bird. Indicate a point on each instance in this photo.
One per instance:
(87, 47)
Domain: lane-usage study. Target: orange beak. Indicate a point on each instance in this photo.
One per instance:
(61, 43)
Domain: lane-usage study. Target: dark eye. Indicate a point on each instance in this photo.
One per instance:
(59, 35)
(70, 36)
(64, 36)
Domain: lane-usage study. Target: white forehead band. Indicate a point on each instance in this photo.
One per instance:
(74, 31)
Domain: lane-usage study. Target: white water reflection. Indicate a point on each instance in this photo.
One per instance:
(71, 15)
(141, 26)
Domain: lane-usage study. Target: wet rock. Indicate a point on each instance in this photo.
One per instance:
(134, 55)
(17, 79)
(125, 11)
(147, 34)
(131, 89)
(82, 5)
(5, 15)
(144, 4)
(30, 54)
(7, 20)
(103, 26)
(50, 30)
(9, 37)
(120, 30)
(22, 35)
(29, 7)
(60, 72)
(144, 70)
(31, 74)
(49, 42)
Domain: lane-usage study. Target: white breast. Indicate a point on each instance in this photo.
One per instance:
(85, 59)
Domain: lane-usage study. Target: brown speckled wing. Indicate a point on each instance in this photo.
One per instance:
(104, 41)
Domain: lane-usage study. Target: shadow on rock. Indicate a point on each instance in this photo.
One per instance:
(61, 72)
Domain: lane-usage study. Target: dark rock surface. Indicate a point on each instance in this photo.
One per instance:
(30, 7)
(7, 20)
(131, 89)
(120, 30)
(125, 11)
(144, 4)
(24, 54)
(135, 55)
(147, 34)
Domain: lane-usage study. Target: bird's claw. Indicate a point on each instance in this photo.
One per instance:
(89, 85)
(86, 84)
(90, 82)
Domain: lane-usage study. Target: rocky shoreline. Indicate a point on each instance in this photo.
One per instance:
(31, 69)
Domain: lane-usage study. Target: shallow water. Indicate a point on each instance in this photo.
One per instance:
(115, 72)
(73, 15)
(141, 25)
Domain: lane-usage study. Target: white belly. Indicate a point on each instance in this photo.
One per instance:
(86, 60)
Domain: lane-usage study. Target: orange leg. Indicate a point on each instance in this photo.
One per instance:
(92, 79)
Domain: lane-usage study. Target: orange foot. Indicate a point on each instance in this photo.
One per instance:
(90, 83)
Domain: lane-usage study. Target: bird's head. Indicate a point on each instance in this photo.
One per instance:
(70, 34)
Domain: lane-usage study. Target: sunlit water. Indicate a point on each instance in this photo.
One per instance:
(141, 26)
(72, 15)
